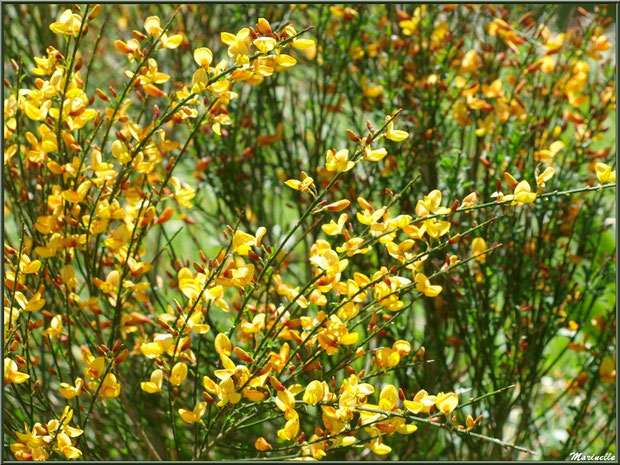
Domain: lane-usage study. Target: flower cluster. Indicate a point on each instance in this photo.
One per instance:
(152, 279)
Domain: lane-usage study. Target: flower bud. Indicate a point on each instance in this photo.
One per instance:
(338, 205)
(352, 136)
(243, 355)
(277, 385)
(122, 357)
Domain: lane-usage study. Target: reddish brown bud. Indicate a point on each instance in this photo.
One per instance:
(243, 355)
(277, 385)
(117, 346)
(454, 239)
(352, 136)
(122, 357)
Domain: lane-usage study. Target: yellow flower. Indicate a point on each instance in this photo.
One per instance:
(431, 204)
(470, 423)
(223, 344)
(55, 328)
(379, 447)
(27, 266)
(387, 358)
(243, 275)
(265, 44)
(333, 228)
(152, 26)
(183, 193)
(409, 26)
(396, 135)
(547, 155)
(243, 242)
(69, 392)
(314, 392)
(110, 388)
(424, 285)
(422, 402)
(304, 185)
(338, 161)
(262, 445)
(604, 173)
(435, 228)
(446, 403)
(402, 347)
(523, 193)
(94, 366)
(12, 374)
(284, 61)
(160, 344)
(178, 374)
(291, 428)
(302, 44)
(131, 48)
(478, 246)
(353, 246)
(154, 385)
(171, 42)
(34, 304)
(371, 90)
(470, 62)
(65, 446)
(238, 45)
(203, 57)
(68, 24)
(545, 176)
(374, 155)
(194, 416)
